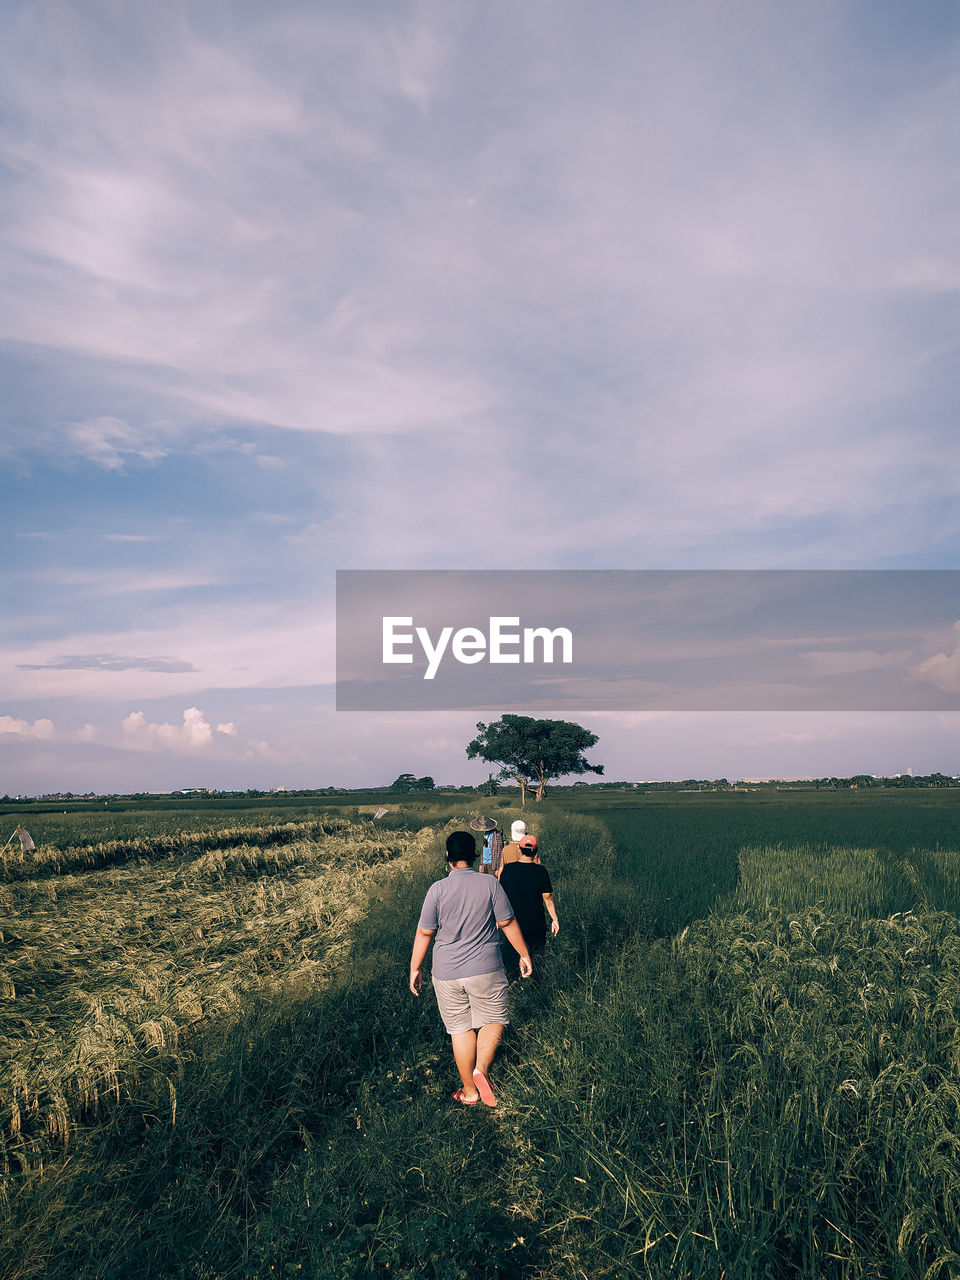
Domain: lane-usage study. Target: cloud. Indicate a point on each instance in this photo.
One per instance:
(41, 729)
(135, 537)
(193, 735)
(839, 662)
(250, 449)
(108, 662)
(250, 645)
(440, 746)
(229, 729)
(941, 669)
(336, 225)
(109, 442)
(123, 582)
(193, 230)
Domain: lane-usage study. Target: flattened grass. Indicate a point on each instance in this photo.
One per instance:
(103, 975)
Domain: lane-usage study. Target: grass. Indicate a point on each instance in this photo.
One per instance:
(785, 1104)
(107, 973)
(710, 1077)
(52, 860)
(860, 882)
(89, 822)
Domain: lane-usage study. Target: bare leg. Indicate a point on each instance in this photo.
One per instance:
(465, 1054)
(488, 1038)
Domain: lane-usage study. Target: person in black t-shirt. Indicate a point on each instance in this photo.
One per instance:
(527, 885)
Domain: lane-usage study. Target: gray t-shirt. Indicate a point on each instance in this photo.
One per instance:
(464, 909)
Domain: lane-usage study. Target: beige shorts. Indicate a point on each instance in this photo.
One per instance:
(467, 1004)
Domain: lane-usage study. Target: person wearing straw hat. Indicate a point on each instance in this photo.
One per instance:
(492, 845)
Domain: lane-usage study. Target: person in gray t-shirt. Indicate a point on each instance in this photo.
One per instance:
(461, 915)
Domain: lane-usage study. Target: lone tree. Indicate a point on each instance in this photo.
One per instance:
(532, 751)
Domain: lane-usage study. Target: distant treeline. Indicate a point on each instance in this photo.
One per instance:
(68, 802)
(868, 780)
(779, 784)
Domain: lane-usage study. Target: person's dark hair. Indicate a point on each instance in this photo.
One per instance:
(461, 847)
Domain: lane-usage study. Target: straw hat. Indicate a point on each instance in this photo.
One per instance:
(483, 824)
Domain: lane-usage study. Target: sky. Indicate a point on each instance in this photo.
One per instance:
(296, 288)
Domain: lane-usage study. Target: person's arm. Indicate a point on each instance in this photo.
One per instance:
(514, 935)
(421, 945)
(549, 904)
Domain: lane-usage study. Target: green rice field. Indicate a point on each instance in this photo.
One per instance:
(739, 1058)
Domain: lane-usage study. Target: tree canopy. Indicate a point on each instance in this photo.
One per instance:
(531, 752)
(409, 782)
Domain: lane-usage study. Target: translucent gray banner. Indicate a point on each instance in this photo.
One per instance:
(711, 640)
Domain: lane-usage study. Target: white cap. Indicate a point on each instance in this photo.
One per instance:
(518, 829)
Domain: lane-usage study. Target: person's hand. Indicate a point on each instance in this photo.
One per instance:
(416, 977)
(526, 966)
(555, 928)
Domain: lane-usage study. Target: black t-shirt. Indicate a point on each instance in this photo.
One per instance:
(525, 883)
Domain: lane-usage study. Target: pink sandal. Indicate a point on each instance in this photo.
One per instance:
(484, 1088)
(467, 1102)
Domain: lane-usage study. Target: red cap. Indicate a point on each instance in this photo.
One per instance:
(528, 844)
